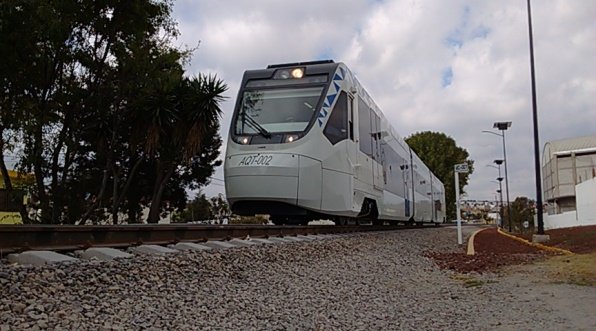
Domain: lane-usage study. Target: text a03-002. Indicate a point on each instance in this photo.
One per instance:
(256, 160)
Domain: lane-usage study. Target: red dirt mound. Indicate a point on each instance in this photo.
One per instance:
(580, 239)
(493, 250)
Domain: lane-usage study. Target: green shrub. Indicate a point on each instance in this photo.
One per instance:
(257, 219)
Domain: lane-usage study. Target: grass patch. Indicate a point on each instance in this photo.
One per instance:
(473, 283)
(469, 281)
(579, 269)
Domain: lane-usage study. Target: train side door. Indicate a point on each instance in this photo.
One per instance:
(431, 194)
(376, 150)
(352, 144)
(364, 143)
(412, 188)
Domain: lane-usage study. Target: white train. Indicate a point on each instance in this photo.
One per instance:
(307, 142)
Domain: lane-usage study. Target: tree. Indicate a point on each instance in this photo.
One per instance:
(219, 207)
(440, 153)
(96, 95)
(198, 209)
(522, 210)
(178, 129)
(13, 31)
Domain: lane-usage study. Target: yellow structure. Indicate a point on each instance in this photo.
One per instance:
(9, 213)
(18, 180)
(7, 217)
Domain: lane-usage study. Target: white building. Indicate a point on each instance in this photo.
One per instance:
(569, 182)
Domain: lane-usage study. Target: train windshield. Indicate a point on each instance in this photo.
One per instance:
(269, 111)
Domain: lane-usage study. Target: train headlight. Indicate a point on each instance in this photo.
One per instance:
(244, 140)
(291, 138)
(284, 74)
(295, 73)
(298, 73)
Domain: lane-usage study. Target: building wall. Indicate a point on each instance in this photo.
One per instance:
(585, 167)
(560, 176)
(586, 209)
(563, 220)
(586, 202)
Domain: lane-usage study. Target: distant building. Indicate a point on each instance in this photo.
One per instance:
(18, 180)
(12, 203)
(568, 177)
(566, 163)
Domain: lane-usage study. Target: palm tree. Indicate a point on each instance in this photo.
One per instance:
(178, 128)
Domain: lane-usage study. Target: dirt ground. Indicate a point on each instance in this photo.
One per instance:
(564, 284)
(581, 239)
(494, 251)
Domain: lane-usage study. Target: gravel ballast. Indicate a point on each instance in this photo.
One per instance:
(374, 281)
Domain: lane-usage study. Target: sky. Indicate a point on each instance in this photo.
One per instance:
(452, 66)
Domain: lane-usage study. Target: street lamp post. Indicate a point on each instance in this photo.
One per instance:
(535, 123)
(463, 168)
(500, 181)
(499, 200)
(502, 126)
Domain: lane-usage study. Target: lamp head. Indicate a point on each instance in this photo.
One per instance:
(502, 125)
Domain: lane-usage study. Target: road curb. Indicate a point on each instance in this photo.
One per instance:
(537, 245)
(471, 242)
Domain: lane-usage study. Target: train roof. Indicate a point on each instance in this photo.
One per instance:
(295, 64)
(311, 68)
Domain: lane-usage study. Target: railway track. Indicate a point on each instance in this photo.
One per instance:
(18, 238)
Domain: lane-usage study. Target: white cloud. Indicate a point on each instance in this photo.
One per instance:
(403, 52)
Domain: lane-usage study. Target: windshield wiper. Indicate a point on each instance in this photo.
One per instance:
(256, 126)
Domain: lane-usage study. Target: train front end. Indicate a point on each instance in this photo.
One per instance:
(272, 164)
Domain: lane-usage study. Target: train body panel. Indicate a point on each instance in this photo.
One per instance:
(307, 141)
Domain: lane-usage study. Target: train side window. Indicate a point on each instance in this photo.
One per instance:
(364, 128)
(373, 135)
(378, 136)
(336, 129)
(351, 117)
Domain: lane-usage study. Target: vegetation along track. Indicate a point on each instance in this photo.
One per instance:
(17, 238)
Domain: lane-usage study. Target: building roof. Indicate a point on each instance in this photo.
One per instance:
(566, 146)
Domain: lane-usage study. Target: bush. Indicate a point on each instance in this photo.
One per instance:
(257, 219)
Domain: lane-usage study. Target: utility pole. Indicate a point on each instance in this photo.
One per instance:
(539, 210)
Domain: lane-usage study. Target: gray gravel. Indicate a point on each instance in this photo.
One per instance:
(377, 281)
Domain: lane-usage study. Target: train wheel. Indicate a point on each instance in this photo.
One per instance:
(296, 221)
(360, 221)
(278, 220)
(341, 221)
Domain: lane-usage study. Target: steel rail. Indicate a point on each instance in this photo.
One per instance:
(17, 238)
